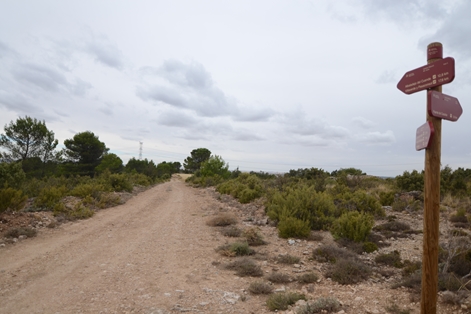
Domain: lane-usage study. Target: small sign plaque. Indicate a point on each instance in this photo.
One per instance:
(424, 136)
(443, 106)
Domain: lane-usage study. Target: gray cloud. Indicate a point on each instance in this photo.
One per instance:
(363, 122)
(176, 119)
(375, 138)
(190, 86)
(451, 32)
(406, 10)
(105, 52)
(15, 102)
(41, 76)
(5, 50)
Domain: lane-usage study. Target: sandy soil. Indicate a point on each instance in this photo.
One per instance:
(155, 254)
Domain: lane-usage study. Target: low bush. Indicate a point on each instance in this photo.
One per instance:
(386, 198)
(353, 225)
(222, 220)
(303, 203)
(235, 249)
(369, 247)
(331, 253)
(287, 259)
(277, 277)
(414, 282)
(459, 216)
(11, 199)
(245, 267)
(260, 287)
(321, 305)
(231, 231)
(291, 227)
(79, 211)
(395, 309)
(281, 301)
(410, 268)
(307, 278)
(391, 259)
(120, 182)
(245, 188)
(359, 201)
(348, 271)
(253, 237)
(16, 232)
(49, 197)
(108, 199)
(449, 282)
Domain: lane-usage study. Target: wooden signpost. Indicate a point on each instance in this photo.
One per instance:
(431, 77)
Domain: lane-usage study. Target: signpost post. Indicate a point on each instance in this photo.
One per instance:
(431, 77)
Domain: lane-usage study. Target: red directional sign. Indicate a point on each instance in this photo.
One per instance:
(443, 106)
(424, 135)
(431, 75)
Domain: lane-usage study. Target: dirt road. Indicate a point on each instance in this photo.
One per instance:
(153, 254)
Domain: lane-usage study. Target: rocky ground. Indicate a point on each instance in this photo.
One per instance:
(156, 254)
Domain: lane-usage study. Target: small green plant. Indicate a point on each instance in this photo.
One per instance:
(222, 220)
(281, 301)
(291, 227)
(16, 232)
(253, 237)
(307, 278)
(353, 225)
(410, 268)
(235, 249)
(287, 259)
(245, 267)
(348, 271)
(386, 198)
(11, 199)
(246, 187)
(369, 247)
(276, 277)
(321, 305)
(260, 287)
(391, 259)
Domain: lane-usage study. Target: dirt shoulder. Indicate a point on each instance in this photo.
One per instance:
(155, 254)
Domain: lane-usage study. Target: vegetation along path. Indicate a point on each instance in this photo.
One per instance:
(150, 255)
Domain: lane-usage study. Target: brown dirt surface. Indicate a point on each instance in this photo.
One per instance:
(156, 254)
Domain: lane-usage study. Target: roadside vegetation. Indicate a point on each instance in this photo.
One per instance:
(72, 183)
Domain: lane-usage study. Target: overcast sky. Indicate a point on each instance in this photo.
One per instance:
(268, 85)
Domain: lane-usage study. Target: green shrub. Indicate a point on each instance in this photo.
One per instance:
(386, 198)
(11, 199)
(331, 253)
(79, 211)
(353, 225)
(139, 179)
(307, 278)
(245, 187)
(49, 197)
(291, 227)
(281, 301)
(321, 305)
(253, 237)
(260, 287)
(277, 277)
(390, 259)
(245, 267)
(93, 189)
(359, 201)
(449, 282)
(304, 203)
(11, 175)
(287, 259)
(369, 247)
(108, 199)
(348, 271)
(120, 182)
(235, 249)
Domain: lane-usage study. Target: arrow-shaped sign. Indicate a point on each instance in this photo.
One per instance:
(443, 106)
(423, 136)
(431, 75)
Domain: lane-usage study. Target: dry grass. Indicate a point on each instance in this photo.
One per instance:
(281, 301)
(231, 231)
(260, 287)
(287, 259)
(235, 249)
(279, 278)
(16, 232)
(245, 267)
(307, 278)
(222, 220)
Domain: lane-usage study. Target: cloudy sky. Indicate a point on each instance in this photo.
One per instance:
(268, 85)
